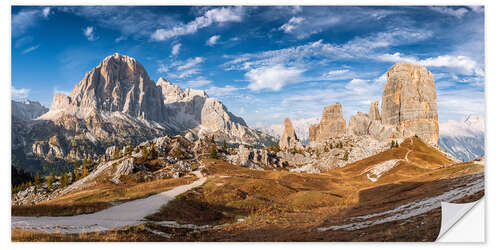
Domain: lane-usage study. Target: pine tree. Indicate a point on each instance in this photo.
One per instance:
(213, 152)
(224, 146)
(152, 152)
(84, 168)
(346, 156)
(76, 173)
(50, 180)
(213, 139)
(145, 153)
(64, 180)
(116, 154)
(37, 180)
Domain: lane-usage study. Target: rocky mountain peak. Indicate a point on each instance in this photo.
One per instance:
(409, 102)
(332, 124)
(289, 138)
(118, 84)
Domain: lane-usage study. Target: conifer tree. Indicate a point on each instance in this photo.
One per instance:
(116, 154)
(37, 180)
(50, 180)
(84, 168)
(64, 180)
(213, 152)
(224, 146)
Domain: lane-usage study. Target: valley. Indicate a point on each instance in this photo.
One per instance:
(138, 160)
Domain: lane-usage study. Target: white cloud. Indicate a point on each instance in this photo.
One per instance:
(175, 49)
(190, 63)
(221, 91)
(27, 18)
(162, 68)
(338, 74)
(120, 38)
(46, 12)
(458, 13)
(212, 40)
(310, 53)
(89, 32)
(198, 82)
(291, 24)
(461, 64)
(273, 78)
(381, 80)
(19, 93)
(182, 69)
(213, 16)
(30, 49)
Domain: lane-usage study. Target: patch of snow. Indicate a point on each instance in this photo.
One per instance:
(378, 170)
(474, 184)
(310, 169)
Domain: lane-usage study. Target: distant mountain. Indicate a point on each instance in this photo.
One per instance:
(117, 104)
(301, 128)
(463, 139)
(27, 110)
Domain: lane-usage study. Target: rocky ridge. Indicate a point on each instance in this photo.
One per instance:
(117, 103)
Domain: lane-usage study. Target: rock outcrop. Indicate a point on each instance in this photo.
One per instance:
(289, 138)
(117, 103)
(362, 124)
(27, 110)
(359, 124)
(409, 102)
(332, 124)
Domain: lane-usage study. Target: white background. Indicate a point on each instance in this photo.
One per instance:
(492, 14)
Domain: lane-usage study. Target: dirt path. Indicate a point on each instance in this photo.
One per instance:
(126, 214)
(409, 151)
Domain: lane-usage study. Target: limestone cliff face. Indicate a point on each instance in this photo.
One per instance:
(116, 103)
(332, 124)
(374, 115)
(409, 102)
(289, 138)
(362, 124)
(27, 110)
(359, 124)
(118, 84)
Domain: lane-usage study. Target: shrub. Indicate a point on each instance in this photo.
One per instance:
(64, 180)
(37, 180)
(116, 154)
(213, 152)
(84, 169)
(346, 156)
(50, 180)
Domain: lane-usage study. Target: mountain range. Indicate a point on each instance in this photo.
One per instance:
(463, 139)
(117, 104)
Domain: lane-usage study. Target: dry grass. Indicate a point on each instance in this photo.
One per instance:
(233, 192)
(284, 206)
(99, 197)
(129, 234)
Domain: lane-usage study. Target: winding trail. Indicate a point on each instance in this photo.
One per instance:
(126, 214)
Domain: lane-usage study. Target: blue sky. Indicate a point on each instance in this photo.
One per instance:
(264, 63)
